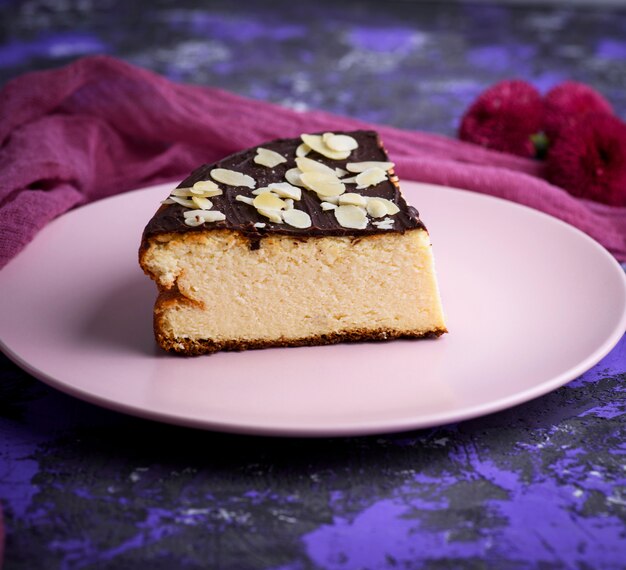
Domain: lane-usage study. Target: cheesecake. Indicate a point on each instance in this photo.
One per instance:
(297, 241)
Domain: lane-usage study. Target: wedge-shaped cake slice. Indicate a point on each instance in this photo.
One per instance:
(295, 242)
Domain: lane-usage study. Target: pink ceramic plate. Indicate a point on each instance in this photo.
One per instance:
(531, 303)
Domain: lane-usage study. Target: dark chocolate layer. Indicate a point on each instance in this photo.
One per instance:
(242, 217)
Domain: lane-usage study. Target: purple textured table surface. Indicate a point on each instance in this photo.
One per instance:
(542, 485)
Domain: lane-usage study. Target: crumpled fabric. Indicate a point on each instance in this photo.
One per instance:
(100, 126)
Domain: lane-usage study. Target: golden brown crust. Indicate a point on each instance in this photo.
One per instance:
(189, 347)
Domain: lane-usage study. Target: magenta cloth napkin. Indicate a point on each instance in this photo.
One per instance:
(100, 126)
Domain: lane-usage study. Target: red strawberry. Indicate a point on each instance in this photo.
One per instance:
(569, 103)
(504, 117)
(588, 159)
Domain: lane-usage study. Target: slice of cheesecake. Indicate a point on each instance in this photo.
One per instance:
(294, 242)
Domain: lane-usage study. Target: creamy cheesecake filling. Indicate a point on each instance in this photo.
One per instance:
(293, 289)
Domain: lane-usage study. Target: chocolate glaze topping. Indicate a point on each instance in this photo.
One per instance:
(242, 217)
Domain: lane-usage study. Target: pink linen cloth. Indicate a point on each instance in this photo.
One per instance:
(100, 126)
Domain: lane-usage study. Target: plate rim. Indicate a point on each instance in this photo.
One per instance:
(401, 424)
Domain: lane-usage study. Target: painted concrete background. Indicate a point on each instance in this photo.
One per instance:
(540, 486)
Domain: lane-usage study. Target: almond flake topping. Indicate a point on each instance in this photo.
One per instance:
(310, 165)
(195, 218)
(232, 177)
(323, 184)
(187, 202)
(316, 143)
(376, 208)
(328, 206)
(268, 201)
(206, 189)
(392, 208)
(353, 199)
(269, 158)
(259, 224)
(196, 199)
(203, 189)
(339, 142)
(303, 150)
(182, 192)
(194, 213)
(293, 176)
(386, 224)
(203, 203)
(273, 215)
(351, 217)
(297, 218)
(194, 221)
(244, 199)
(370, 177)
(213, 216)
(363, 166)
(286, 190)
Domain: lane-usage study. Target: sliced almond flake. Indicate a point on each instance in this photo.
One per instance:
(188, 203)
(332, 200)
(392, 208)
(341, 172)
(297, 218)
(288, 204)
(274, 215)
(363, 166)
(349, 180)
(328, 206)
(310, 165)
(316, 143)
(303, 150)
(182, 192)
(376, 208)
(385, 224)
(268, 201)
(194, 213)
(168, 201)
(269, 158)
(370, 177)
(206, 188)
(340, 143)
(352, 199)
(351, 217)
(232, 177)
(214, 216)
(259, 224)
(293, 176)
(261, 190)
(286, 190)
(323, 184)
(244, 199)
(194, 221)
(203, 203)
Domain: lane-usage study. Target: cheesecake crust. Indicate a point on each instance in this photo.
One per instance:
(198, 347)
